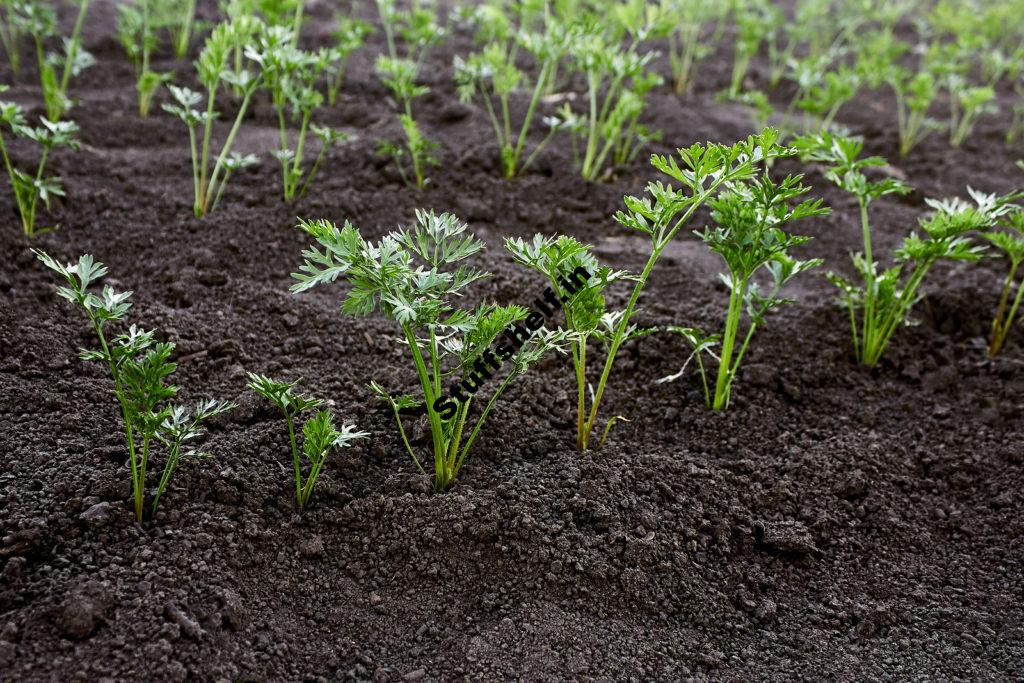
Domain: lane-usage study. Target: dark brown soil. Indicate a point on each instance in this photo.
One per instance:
(835, 523)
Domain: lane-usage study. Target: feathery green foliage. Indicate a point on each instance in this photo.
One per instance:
(38, 20)
(1009, 239)
(617, 87)
(140, 367)
(884, 298)
(750, 218)
(215, 71)
(349, 36)
(412, 276)
(319, 433)
(30, 189)
(695, 176)
(399, 75)
(492, 76)
(291, 74)
(586, 317)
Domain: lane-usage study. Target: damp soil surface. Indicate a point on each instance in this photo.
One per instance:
(835, 522)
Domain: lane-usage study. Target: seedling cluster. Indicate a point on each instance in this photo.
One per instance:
(544, 74)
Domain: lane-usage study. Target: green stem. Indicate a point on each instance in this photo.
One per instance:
(181, 49)
(293, 178)
(200, 206)
(231, 139)
(295, 456)
(73, 44)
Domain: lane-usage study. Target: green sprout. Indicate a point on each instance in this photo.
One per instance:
(701, 171)
(412, 276)
(137, 32)
(750, 217)
(349, 36)
(55, 70)
(290, 74)
(215, 71)
(884, 299)
(492, 76)
(617, 87)
(1010, 241)
(139, 367)
(399, 75)
(559, 259)
(30, 189)
(319, 434)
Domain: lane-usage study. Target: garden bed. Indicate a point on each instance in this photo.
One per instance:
(835, 522)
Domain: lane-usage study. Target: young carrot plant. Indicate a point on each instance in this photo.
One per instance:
(749, 234)
(825, 98)
(756, 22)
(399, 75)
(290, 74)
(915, 94)
(884, 299)
(701, 172)
(55, 70)
(492, 76)
(412, 277)
(417, 28)
(319, 433)
(349, 37)
(1009, 240)
(139, 367)
(215, 71)
(617, 86)
(694, 29)
(563, 261)
(29, 189)
(136, 29)
(11, 33)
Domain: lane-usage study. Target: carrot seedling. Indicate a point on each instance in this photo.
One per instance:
(749, 234)
(215, 71)
(139, 366)
(319, 434)
(29, 189)
(412, 276)
(1010, 241)
(701, 171)
(559, 259)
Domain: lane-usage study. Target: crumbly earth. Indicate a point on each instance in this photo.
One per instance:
(835, 523)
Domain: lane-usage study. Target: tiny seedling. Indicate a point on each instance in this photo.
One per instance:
(756, 22)
(349, 36)
(290, 74)
(691, 37)
(617, 87)
(139, 366)
(915, 94)
(749, 235)
(576, 283)
(824, 99)
(701, 171)
(55, 70)
(883, 300)
(492, 76)
(412, 276)
(319, 434)
(136, 29)
(1010, 241)
(417, 28)
(215, 71)
(11, 32)
(30, 189)
(399, 75)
